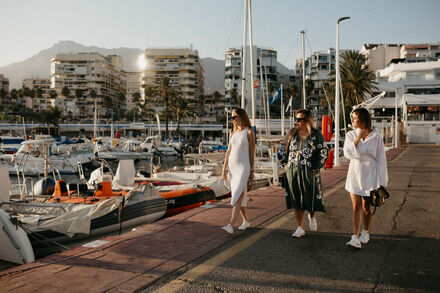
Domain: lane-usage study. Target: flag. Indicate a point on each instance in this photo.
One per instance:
(275, 96)
(290, 104)
(256, 84)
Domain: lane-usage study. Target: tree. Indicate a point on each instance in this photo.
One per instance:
(181, 109)
(38, 94)
(165, 90)
(65, 92)
(233, 93)
(108, 103)
(53, 94)
(50, 117)
(356, 80)
(216, 96)
(200, 102)
(121, 99)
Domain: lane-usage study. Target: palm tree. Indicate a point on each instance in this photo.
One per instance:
(108, 103)
(200, 102)
(165, 90)
(356, 80)
(121, 99)
(38, 94)
(181, 109)
(216, 97)
(53, 94)
(65, 92)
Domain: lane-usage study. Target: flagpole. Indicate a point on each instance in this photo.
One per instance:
(282, 112)
(243, 59)
(262, 94)
(251, 55)
(267, 101)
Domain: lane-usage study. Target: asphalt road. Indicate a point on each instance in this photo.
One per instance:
(403, 254)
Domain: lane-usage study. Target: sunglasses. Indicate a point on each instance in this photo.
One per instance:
(300, 119)
(233, 117)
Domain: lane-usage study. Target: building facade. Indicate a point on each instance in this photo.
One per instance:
(40, 102)
(83, 72)
(4, 86)
(181, 66)
(317, 69)
(134, 85)
(265, 71)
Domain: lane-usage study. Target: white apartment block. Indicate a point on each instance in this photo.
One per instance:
(38, 104)
(181, 66)
(378, 56)
(318, 67)
(233, 75)
(86, 72)
(134, 84)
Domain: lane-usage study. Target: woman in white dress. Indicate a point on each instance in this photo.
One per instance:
(239, 164)
(367, 171)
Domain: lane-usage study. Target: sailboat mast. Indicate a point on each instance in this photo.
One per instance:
(303, 69)
(95, 120)
(243, 59)
(251, 55)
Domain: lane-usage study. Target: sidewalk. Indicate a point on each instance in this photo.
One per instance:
(132, 261)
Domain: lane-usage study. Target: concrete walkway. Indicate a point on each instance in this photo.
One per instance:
(157, 255)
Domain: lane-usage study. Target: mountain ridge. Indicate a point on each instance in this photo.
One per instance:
(38, 65)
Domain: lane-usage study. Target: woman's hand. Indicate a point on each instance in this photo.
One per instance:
(225, 174)
(362, 135)
(251, 175)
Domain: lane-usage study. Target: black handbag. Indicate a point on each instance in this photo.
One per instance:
(377, 198)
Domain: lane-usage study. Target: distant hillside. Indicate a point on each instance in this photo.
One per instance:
(214, 75)
(38, 66)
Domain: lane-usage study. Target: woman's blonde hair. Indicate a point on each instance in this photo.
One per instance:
(243, 117)
(308, 116)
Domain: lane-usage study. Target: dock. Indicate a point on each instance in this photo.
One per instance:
(189, 252)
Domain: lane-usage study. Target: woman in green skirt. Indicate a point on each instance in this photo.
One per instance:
(304, 154)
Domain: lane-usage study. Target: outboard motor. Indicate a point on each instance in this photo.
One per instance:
(44, 186)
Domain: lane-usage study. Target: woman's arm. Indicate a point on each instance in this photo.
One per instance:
(351, 150)
(251, 139)
(225, 164)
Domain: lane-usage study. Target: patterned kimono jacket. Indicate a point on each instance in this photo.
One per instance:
(304, 159)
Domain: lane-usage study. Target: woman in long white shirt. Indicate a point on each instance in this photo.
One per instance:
(367, 171)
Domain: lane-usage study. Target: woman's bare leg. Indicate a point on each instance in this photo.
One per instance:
(357, 212)
(244, 213)
(299, 216)
(367, 216)
(236, 210)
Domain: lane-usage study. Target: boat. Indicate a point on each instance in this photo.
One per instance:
(154, 145)
(10, 144)
(181, 198)
(64, 212)
(15, 244)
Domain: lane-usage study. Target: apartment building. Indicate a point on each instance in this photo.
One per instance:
(134, 85)
(265, 68)
(317, 69)
(378, 56)
(83, 72)
(38, 103)
(4, 84)
(181, 66)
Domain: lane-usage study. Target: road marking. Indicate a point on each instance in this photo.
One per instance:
(217, 260)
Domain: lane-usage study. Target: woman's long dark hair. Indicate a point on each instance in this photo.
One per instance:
(243, 117)
(308, 116)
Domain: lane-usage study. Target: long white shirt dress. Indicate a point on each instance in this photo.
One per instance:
(368, 165)
(239, 166)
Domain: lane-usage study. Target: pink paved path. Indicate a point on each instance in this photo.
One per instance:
(133, 260)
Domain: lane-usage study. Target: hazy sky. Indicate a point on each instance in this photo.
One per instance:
(211, 26)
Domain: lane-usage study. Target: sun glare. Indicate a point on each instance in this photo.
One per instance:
(142, 62)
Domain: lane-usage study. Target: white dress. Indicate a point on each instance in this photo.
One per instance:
(239, 166)
(368, 165)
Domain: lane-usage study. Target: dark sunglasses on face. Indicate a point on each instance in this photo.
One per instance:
(300, 119)
(233, 117)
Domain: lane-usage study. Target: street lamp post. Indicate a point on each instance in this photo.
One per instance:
(336, 162)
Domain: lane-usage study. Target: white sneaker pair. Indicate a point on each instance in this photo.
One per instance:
(228, 228)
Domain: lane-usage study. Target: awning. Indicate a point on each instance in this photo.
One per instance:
(421, 100)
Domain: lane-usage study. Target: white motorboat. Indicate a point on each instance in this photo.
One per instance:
(154, 145)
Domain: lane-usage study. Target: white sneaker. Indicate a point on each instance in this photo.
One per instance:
(299, 232)
(312, 224)
(245, 225)
(365, 237)
(228, 228)
(354, 242)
